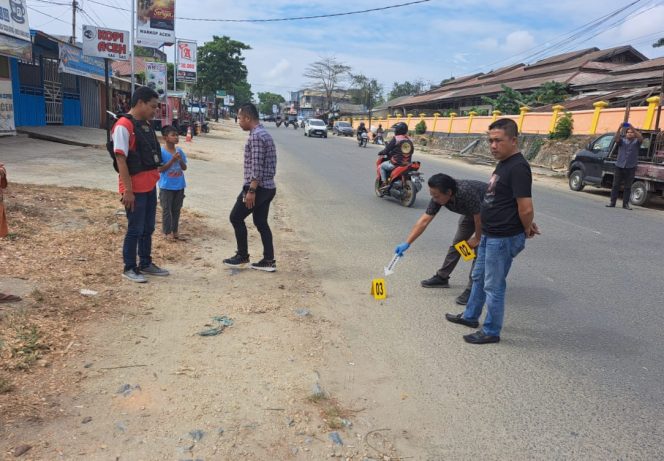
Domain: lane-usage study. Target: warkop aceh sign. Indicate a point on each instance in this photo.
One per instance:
(106, 43)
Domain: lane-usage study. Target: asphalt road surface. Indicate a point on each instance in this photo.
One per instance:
(578, 373)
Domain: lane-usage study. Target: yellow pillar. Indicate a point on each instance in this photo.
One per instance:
(496, 114)
(452, 115)
(522, 115)
(435, 121)
(554, 117)
(599, 106)
(471, 116)
(653, 102)
(408, 117)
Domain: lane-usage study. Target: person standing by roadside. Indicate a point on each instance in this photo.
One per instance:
(507, 215)
(4, 228)
(628, 157)
(258, 191)
(171, 182)
(138, 155)
(463, 197)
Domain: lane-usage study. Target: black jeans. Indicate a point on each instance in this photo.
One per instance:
(260, 211)
(620, 175)
(171, 204)
(465, 230)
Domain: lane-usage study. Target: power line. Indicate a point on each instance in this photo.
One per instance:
(48, 15)
(297, 18)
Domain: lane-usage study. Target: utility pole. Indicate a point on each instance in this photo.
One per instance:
(132, 38)
(74, 6)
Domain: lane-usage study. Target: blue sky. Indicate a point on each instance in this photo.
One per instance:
(429, 41)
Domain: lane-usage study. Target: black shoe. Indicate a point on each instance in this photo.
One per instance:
(458, 318)
(436, 282)
(237, 261)
(265, 265)
(627, 207)
(462, 299)
(480, 338)
(611, 205)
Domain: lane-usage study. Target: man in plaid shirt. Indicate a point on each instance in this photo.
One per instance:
(260, 165)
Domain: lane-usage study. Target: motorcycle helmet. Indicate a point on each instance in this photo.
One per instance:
(400, 128)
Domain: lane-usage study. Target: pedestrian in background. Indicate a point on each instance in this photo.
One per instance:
(629, 146)
(463, 197)
(138, 156)
(507, 221)
(171, 182)
(4, 228)
(258, 191)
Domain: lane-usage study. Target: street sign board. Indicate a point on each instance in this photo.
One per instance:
(186, 62)
(221, 93)
(155, 23)
(155, 75)
(102, 42)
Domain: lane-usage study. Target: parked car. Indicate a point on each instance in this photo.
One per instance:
(595, 166)
(315, 127)
(342, 129)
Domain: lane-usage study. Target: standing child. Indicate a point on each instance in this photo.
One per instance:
(171, 182)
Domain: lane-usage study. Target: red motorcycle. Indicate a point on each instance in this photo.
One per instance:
(403, 184)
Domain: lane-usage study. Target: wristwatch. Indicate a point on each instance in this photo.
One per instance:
(251, 189)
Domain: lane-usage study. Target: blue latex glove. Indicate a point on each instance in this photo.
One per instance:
(401, 248)
(626, 125)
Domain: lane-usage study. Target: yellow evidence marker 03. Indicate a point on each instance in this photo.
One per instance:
(378, 289)
(465, 251)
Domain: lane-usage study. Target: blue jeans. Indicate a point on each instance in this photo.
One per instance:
(494, 259)
(385, 169)
(140, 226)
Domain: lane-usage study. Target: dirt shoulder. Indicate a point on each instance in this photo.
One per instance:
(125, 373)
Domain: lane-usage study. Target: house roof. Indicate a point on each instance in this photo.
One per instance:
(124, 67)
(579, 67)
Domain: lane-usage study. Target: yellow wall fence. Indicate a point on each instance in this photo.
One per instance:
(599, 120)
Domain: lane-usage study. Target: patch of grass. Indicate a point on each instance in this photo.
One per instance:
(37, 295)
(28, 345)
(331, 411)
(5, 386)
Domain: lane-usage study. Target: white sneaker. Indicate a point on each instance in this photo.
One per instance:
(134, 276)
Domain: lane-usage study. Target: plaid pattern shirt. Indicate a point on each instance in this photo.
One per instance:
(260, 158)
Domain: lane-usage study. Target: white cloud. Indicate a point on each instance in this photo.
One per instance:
(280, 69)
(518, 41)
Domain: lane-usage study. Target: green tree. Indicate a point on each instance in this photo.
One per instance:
(407, 89)
(658, 43)
(267, 100)
(242, 93)
(549, 93)
(508, 101)
(221, 67)
(366, 91)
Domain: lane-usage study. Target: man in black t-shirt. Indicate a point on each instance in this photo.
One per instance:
(507, 221)
(463, 197)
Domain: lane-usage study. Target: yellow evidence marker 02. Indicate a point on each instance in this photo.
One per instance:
(465, 251)
(378, 289)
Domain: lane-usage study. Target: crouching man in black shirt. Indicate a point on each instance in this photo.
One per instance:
(507, 221)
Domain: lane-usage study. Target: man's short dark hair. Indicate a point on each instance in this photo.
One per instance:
(249, 110)
(168, 129)
(143, 93)
(508, 125)
(444, 183)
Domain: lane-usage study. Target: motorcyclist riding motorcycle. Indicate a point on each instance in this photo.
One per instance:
(399, 152)
(378, 139)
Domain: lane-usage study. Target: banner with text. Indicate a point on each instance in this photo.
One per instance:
(73, 61)
(186, 65)
(14, 19)
(7, 126)
(106, 43)
(155, 23)
(155, 77)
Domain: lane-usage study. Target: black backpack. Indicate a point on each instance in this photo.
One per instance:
(142, 138)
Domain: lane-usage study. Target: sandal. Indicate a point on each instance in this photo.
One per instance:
(6, 298)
